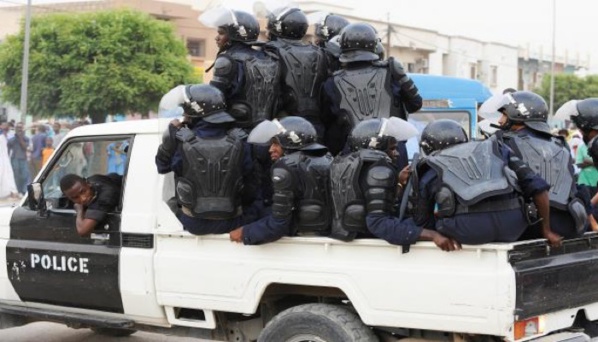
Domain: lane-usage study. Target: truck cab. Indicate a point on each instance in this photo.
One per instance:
(141, 270)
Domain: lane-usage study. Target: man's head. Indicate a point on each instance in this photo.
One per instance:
(359, 43)
(441, 134)
(292, 133)
(287, 22)
(232, 26)
(19, 128)
(328, 26)
(56, 127)
(381, 134)
(41, 128)
(49, 141)
(4, 127)
(76, 189)
(524, 108)
(199, 102)
(276, 151)
(584, 114)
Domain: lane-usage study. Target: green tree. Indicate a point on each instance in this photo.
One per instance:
(568, 87)
(95, 64)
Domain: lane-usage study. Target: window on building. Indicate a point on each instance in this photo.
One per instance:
(196, 47)
(473, 74)
(493, 75)
(410, 67)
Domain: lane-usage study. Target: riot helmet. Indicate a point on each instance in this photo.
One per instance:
(527, 108)
(358, 43)
(440, 134)
(287, 22)
(240, 26)
(198, 101)
(583, 113)
(292, 132)
(329, 26)
(377, 134)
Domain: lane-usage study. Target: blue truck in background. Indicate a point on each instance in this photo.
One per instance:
(447, 97)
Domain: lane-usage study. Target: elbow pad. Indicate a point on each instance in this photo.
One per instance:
(283, 198)
(380, 190)
(522, 170)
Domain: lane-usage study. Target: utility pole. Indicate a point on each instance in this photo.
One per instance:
(553, 58)
(25, 74)
(388, 34)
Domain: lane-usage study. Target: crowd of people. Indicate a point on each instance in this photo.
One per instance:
(24, 150)
(291, 138)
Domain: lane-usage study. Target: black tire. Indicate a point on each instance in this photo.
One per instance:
(113, 332)
(316, 323)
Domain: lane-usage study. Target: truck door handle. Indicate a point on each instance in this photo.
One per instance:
(100, 236)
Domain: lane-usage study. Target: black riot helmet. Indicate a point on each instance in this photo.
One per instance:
(240, 26)
(330, 26)
(246, 30)
(358, 43)
(199, 101)
(587, 118)
(440, 134)
(294, 133)
(378, 134)
(527, 108)
(288, 22)
(298, 134)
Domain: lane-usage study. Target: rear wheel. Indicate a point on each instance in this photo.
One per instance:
(317, 323)
(113, 332)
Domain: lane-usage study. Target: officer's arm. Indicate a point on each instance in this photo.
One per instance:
(224, 73)
(85, 226)
(407, 89)
(379, 195)
(166, 150)
(277, 224)
(535, 187)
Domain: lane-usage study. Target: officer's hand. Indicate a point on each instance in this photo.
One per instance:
(445, 243)
(555, 240)
(236, 235)
(404, 175)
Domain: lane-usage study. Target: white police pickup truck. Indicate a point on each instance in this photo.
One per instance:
(141, 270)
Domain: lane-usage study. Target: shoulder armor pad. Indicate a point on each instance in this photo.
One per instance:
(381, 176)
(282, 179)
(396, 68)
(223, 65)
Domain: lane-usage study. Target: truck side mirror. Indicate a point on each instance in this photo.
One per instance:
(35, 198)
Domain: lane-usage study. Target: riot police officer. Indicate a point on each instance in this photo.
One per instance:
(249, 78)
(364, 185)
(200, 148)
(303, 65)
(365, 87)
(478, 188)
(328, 27)
(525, 131)
(301, 202)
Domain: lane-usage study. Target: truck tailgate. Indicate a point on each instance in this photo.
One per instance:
(551, 279)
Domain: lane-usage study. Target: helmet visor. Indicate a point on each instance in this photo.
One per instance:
(218, 16)
(488, 126)
(263, 133)
(170, 104)
(489, 109)
(398, 128)
(566, 111)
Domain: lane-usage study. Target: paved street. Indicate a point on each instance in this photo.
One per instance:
(52, 332)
